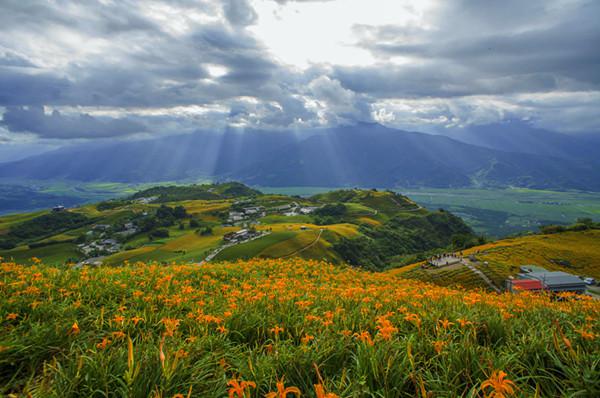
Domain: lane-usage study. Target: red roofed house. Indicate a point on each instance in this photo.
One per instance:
(516, 285)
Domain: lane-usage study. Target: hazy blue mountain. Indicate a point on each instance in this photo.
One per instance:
(168, 158)
(521, 137)
(373, 155)
(363, 155)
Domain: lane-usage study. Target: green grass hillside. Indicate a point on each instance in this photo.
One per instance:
(188, 223)
(248, 329)
(575, 252)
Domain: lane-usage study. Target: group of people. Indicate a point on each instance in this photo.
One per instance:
(440, 260)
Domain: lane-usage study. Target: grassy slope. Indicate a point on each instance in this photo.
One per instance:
(52, 254)
(8, 221)
(574, 252)
(580, 249)
(255, 247)
(194, 328)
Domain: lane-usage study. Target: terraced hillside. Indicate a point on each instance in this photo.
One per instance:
(195, 223)
(575, 252)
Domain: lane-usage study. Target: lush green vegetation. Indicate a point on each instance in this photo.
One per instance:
(187, 230)
(156, 331)
(405, 235)
(195, 192)
(42, 226)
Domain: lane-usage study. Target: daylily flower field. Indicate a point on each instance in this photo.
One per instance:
(283, 328)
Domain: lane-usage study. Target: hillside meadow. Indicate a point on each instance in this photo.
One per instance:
(576, 252)
(280, 328)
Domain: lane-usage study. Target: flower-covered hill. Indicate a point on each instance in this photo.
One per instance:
(270, 326)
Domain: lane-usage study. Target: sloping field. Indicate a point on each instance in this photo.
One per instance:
(203, 206)
(460, 277)
(8, 221)
(253, 328)
(58, 253)
(255, 247)
(290, 246)
(573, 252)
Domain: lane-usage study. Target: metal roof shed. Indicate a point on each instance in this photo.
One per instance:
(559, 281)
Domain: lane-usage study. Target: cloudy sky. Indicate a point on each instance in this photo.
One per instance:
(103, 69)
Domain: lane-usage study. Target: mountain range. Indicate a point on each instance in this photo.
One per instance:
(365, 154)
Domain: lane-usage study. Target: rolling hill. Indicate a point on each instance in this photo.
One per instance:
(194, 223)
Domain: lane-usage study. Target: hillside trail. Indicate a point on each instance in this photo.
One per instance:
(483, 276)
(311, 244)
(419, 207)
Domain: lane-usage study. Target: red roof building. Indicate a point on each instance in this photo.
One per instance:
(516, 285)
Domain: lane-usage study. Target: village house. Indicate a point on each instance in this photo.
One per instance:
(252, 210)
(308, 210)
(146, 200)
(235, 216)
(239, 236)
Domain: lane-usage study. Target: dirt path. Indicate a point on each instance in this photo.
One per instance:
(484, 277)
(311, 244)
(419, 207)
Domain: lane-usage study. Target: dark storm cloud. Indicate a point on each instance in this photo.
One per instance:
(133, 56)
(57, 125)
(487, 48)
(27, 88)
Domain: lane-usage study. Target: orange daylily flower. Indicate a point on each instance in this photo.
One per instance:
(320, 392)
(239, 388)
(439, 345)
(74, 328)
(276, 330)
(283, 391)
(364, 337)
(386, 329)
(445, 324)
(307, 338)
(103, 344)
(500, 386)
(170, 325)
(222, 329)
(413, 318)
